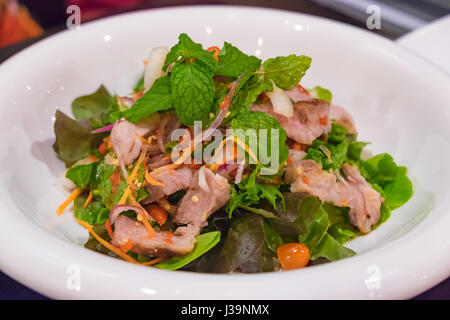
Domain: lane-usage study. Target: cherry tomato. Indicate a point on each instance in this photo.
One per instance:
(293, 255)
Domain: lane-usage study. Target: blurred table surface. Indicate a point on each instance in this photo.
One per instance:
(11, 289)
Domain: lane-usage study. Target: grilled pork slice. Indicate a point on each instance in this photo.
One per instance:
(206, 194)
(353, 191)
(310, 120)
(342, 117)
(179, 243)
(194, 209)
(172, 180)
(125, 142)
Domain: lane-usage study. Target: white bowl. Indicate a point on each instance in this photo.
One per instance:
(431, 42)
(399, 101)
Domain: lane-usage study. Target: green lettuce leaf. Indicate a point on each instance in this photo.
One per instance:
(250, 192)
(80, 174)
(94, 107)
(74, 140)
(94, 213)
(205, 242)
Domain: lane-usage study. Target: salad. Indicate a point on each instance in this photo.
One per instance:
(221, 162)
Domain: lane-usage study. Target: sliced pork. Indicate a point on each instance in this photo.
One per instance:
(310, 120)
(195, 208)
(342, 117)
(172, 180)
(126, 144)
(206, 194)
(353, 191)
(179, 243)
(158, 161)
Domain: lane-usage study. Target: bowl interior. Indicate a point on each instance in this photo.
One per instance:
(398, 102)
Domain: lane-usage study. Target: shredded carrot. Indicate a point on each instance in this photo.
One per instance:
(289, 160)
(138, 95)
(133, 174)
(75, 193)
(89, 199)
(109, 228)
(144, 62)
(127, 245)
(230, 85)
(149, 179)
(168, 167)
(305, 179)
(143, 140)
(302, 90)
(297, 146)
(102, 148)
(225, 103)
(153, 262)
(324, 120)
(115, 179)
(150, 230)
(106, 244)
(241, 144)
(216, 51)
(125, 195)
(93, 158)
(344, 203)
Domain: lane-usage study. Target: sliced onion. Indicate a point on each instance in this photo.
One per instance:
(114, 213)
(239, 172)
(125, 101)
(104, 129)
(281, 102)
(216, 123)
(222, 167)
(202, 180)
(155, 62)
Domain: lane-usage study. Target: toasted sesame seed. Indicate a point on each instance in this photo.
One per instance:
(194, 198)
(140, 217)
(227, 114)
(211, 115)
(298, 170)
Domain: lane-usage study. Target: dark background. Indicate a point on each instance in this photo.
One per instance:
(51, 15)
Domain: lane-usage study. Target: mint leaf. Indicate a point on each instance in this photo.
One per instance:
(186, 49)
(94, 107)
(193, 92)
(139, 85)
(249, 127)
(286, 72)
(158, 98)
(321, 93)
(205, 242)
(233, 62)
